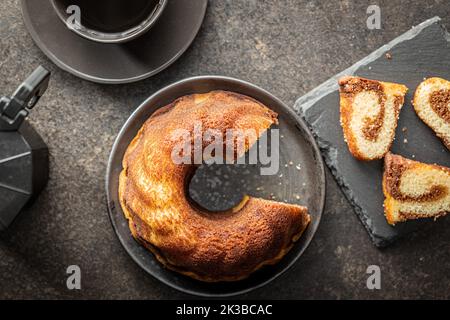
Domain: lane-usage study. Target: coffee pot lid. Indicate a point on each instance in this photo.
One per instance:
(23, 153)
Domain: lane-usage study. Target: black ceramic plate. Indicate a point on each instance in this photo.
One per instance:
(141, 58)
(304, 184)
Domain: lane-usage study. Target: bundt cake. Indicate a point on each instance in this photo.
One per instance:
(369, 113)
(207, 246)
(414, 190)
(432, 105)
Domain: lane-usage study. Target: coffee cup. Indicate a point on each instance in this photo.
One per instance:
(109, 21)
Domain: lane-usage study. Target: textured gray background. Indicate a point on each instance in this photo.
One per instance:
(287, 47)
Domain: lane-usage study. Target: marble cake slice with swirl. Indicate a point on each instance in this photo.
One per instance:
(432, 105)
(414, 190)
(369, 114)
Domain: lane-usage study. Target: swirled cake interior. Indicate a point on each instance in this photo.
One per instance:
(432, 105)
(414, 190)
(369, 112)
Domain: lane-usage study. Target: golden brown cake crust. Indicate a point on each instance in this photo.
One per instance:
(394, 167)
(206, 246)
(349, 86)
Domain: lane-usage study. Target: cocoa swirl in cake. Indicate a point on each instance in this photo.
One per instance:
(372, 125)
(369, 111)
(393, 180)
(440, 103)
(432, 105)
(414, 190)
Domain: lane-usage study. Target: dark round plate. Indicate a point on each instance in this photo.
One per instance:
(138, 59)
(303, 185)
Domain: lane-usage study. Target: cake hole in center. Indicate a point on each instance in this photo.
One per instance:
(222, 187)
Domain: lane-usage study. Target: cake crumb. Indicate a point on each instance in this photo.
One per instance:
(404, 129)
(405, 140)
(388, 56)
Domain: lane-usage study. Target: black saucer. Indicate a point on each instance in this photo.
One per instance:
(115, 63)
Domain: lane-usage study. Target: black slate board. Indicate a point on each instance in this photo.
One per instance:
(423, 51)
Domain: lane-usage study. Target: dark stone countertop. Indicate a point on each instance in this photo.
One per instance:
(287, 47)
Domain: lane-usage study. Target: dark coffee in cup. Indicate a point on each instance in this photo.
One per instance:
(113, 16)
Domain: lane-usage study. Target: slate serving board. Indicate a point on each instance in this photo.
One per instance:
(423, 51)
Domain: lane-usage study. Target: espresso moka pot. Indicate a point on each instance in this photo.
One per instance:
(23, 153)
